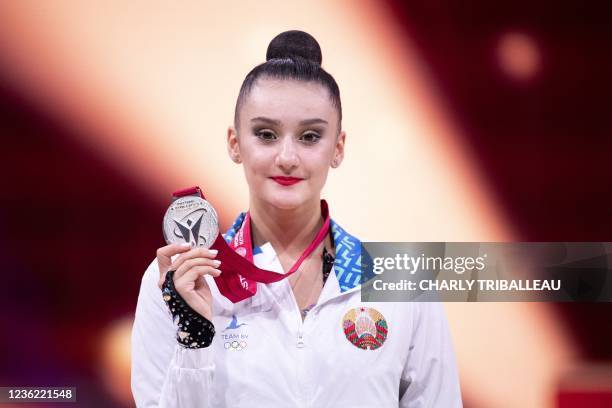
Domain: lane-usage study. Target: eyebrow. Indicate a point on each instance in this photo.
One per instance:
(277, 122)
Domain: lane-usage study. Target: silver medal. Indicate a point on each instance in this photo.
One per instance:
(191, 219)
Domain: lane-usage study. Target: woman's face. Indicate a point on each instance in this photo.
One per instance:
(287, 139)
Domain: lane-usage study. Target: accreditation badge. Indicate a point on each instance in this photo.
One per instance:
(365, 328)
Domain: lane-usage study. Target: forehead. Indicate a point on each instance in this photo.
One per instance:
(289, 101)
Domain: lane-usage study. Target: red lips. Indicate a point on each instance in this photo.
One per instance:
(286, 181)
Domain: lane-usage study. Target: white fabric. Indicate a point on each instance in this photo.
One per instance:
(290, 363)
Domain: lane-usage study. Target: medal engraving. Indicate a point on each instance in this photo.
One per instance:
(191, 219)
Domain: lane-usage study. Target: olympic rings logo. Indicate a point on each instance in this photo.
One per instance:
(235, 345)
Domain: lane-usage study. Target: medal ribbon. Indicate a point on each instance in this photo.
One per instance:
(239, 277)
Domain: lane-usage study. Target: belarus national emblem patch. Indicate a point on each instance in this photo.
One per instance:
(365, 327)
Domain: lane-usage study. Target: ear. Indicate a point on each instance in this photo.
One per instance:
(233, 148)
(339, 150)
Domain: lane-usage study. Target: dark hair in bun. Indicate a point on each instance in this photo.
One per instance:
(292, 55)
(294, 44)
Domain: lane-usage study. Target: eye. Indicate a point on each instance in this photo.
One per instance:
(310, 137)
(266, 135)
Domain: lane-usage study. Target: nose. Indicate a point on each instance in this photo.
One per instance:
(287, 158)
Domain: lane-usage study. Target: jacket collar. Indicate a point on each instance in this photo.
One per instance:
(347, 264)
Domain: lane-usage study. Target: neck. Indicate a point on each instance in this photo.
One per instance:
(288, 231)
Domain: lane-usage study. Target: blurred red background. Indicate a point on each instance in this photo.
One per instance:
(526, 84)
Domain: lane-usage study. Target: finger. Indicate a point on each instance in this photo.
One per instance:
(191, 263)
(193, 253)
(200, 271)
(201, 286)
(195, 290)
(164, 258)
(165, 253)
(188, 279)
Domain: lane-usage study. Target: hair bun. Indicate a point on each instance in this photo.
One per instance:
(294, 43)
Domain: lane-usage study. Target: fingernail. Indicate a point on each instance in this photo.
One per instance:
(216, 262)
(214, 252)
(185, 244)
(218, 272)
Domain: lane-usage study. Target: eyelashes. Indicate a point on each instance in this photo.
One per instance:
(265, 135)
(310, 137)
(268, 136)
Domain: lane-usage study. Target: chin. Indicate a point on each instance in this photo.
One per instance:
(286, 203)
(286, 200)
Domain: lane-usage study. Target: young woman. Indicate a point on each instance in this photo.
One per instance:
(307, 340)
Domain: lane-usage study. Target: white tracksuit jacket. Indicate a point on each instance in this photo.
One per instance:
(264, 355)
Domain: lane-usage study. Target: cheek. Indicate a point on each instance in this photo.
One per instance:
(256, 162)
(317, 165)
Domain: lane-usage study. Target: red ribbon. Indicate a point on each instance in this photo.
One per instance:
(239, 277)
